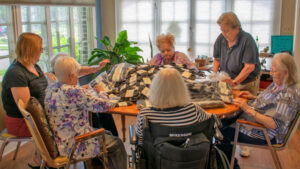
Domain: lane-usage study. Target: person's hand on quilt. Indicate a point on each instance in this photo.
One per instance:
(85, 86)
(103, 63)
(230, 81)
(242, 103)
(246, 94)
(98, 88)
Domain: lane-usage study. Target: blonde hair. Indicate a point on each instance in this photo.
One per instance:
(230, 19)
(55, 57)
(28, 44)
(286, 62)
(168, 89)
(165, 38)
(64, 66)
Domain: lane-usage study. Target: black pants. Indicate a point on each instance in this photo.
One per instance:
(106, 121)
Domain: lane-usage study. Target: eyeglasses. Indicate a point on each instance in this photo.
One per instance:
(273, 71)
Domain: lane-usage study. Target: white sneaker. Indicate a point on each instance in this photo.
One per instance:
(244, 151)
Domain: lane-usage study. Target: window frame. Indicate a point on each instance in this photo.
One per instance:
(156, 8)
(16, 25)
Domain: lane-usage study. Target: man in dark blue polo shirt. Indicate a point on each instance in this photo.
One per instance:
(236, 53)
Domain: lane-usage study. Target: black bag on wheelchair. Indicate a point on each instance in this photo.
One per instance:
(180, 147)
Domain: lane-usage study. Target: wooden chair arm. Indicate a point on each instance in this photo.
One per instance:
(89, 135)
(250, 123)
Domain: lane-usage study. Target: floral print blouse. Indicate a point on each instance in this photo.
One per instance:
(178, 57)
(67, 108)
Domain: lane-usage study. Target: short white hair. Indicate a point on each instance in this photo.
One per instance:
(168, 89)
(55, 57)
(64, 67)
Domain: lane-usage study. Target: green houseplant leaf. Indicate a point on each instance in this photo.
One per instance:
(122, 51)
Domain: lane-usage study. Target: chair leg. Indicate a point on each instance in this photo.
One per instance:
(273, 152)
(236, 136)
(16, 151)
(2, 148)
(43, 164)
(276, 159)
(104, 150)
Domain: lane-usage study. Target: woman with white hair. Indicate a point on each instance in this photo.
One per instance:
(274, 108)
(171, 104)
(67, 106)
(84, 70)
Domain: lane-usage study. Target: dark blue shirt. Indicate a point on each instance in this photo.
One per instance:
(18, 76)
(232, 60)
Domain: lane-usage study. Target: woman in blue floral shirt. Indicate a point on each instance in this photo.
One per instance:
(67, 106)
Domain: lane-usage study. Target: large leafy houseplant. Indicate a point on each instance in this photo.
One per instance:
(122, 51)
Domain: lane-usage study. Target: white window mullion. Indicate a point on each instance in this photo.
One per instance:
(192, 25)
(72, 34)
(49, 32)
(16, 31)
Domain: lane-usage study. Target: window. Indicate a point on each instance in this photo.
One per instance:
(63, 29)
(5, 38)
(193, 22)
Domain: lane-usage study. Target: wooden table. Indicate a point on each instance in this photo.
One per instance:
(124, 111)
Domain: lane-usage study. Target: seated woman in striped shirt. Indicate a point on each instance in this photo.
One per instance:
(171, 105)
(274, 108)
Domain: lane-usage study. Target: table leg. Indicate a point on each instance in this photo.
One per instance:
(123, 119)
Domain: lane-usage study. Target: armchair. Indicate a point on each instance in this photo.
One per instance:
(59, 161)
(272, 147)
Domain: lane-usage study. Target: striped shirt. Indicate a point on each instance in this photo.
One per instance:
(282, 105)
(176, 116)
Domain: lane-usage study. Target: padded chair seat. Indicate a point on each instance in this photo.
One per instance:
(6, 135)
(61, 159)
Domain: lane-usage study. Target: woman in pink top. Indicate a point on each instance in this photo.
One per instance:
(167, 55)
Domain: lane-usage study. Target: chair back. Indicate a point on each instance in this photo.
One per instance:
(178, 147)
(2, 112)
(40, 144)
(293, 127)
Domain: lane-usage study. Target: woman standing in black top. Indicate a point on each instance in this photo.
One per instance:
(23, 79)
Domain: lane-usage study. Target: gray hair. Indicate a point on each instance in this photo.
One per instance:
(64, 67)
(55, 57)
(168, 89)
(230, 19)
(286, 62)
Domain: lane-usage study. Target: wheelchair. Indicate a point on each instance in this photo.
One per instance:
(180, 147)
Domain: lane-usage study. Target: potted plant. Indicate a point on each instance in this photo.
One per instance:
(122, 51)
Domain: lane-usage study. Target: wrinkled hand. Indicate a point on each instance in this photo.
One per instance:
(230, 81)
(242, 103)
(98, 88)
(245, 94)
(85, 86)
(51, 76)
(103, 63)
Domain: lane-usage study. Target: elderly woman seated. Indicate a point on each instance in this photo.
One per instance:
(67, 106)
(84, 70)
(274, 108)
(171, 105)
(165, 44)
